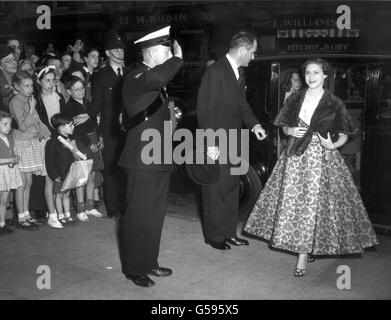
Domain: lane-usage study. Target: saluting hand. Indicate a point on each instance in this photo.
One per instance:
(177, 50)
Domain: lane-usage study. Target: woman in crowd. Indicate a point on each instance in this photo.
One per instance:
(310, 205)
(8, 67)
(291, 84)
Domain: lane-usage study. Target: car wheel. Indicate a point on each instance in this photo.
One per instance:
(250, 188)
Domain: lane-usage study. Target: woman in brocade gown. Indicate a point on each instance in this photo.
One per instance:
(310, 204)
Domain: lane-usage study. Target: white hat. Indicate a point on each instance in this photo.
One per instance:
(159, 37)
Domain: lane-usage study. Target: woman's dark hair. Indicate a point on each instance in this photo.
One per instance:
(87, 51)
(19, 76)
(286, 84)
(326, 67)
(5, 114)
(65, 53)
(60, 119)
(71, 80)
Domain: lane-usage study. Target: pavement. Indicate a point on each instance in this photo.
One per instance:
(81, 262)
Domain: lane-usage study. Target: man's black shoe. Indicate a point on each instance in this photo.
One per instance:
(218, 245)
(160, 272)
(142, 281)
(26, 225)
(235, 241)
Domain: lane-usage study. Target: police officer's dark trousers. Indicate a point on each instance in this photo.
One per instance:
(141, 227)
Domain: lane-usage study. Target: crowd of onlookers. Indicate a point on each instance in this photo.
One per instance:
(41, 99)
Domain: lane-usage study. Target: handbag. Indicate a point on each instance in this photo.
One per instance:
(78, 174)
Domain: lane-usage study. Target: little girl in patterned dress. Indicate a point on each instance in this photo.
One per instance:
(27, 143)
(9, 172)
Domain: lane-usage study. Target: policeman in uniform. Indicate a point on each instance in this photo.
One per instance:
(106, 86)
(147, 107)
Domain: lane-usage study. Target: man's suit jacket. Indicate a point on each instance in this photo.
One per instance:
(141, 87)
(222, 100)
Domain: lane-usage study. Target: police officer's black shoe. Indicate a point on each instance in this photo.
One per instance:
(142, 281)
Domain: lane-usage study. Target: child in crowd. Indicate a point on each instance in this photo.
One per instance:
(27, 143)
(59, 85)
(59, 159)
(49, 103)
(10, 177)
(88, 142)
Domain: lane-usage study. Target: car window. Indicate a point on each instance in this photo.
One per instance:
(349, 85)
(384, 94)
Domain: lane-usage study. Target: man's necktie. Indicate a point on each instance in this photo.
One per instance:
(119, 72)
(241, 76)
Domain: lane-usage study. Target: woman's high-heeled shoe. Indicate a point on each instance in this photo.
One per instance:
(311, 258)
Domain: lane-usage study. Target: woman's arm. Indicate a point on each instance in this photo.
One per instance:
(7, 161)
(328, 144)
(297, 132)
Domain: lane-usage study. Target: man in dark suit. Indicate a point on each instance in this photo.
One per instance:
(146, 106)
(222, 104)
(106, 95)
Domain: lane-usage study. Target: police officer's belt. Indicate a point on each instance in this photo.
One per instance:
(143, 115)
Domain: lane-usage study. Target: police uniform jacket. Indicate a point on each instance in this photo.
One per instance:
(140, 88)
(106, 99)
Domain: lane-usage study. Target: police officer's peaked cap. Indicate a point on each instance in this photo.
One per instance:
(5, 51)
(113, 41)
(159, 37)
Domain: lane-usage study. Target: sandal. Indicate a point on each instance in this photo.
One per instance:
(299, 272)
(63, 220)
(70, 220)
(311, 258)
(26, 225)
(31, 220)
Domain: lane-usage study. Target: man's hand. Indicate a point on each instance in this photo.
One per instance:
(177, 50)
(259, 132)
(213, 153)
